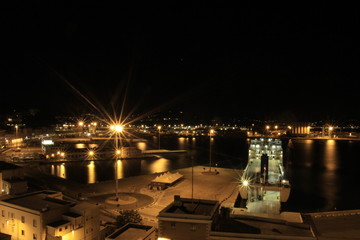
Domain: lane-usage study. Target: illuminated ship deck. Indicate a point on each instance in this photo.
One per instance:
(264, 185)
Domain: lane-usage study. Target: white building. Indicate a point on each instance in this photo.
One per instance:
(45, 215)
(11, 179)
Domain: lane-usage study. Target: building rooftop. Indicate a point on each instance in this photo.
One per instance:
(14, 180)
(84, 206)
(7, 166)
(58, 223)
(337, 224)
(38, 201)
(190, 208)
(71, 214)
(132, 232)
(247, 224)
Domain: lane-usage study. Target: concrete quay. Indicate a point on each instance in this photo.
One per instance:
(221, 187)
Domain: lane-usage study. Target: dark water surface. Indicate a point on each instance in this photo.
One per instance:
(324, 174)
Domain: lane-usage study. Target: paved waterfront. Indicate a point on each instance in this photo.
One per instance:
(222, 187)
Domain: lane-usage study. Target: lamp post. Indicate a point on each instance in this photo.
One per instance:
(81, 125)
(159, 128)
(210, 134)
(16, 134)
(117, 129)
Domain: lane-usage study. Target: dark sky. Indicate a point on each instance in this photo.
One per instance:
(273, 62)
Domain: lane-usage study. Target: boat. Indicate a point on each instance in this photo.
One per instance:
(264, 185)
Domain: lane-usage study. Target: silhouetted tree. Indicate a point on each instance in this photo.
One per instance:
(128, 216)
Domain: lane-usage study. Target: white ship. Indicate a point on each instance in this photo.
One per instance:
(264, 185)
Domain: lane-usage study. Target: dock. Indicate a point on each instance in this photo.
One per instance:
(162, 151)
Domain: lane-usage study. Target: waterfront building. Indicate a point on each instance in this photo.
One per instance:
(133, 232)
(300, 129)
(45, 215)
(11, 179)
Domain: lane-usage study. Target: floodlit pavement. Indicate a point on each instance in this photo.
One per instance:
(221, 187)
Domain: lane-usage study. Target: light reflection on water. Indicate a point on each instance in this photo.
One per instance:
(91, 172)
(330, 155)
(120, 169)
(80, 145)
(141, 145)
(59, 170)
(308, 145)
(159, 165)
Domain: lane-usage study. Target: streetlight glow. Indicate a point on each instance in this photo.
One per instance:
(245, 183)
(117, 128)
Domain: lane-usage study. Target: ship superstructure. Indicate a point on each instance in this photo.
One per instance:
(263, 184)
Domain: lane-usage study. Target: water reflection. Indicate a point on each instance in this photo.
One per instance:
(181, 143)
(80, 145)
(119, 169)
(330, 156)
(91, 172)
(59, 170)
(92, 146)
(159, 165)
(141, 145)
(308, 149)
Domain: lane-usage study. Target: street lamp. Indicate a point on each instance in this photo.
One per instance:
(159, 128)
(117, 129)
(16, 134)
(210, 134)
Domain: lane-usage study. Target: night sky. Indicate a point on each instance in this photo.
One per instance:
(287, 62)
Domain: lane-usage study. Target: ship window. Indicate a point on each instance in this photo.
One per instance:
(193, 227)
(172, 224)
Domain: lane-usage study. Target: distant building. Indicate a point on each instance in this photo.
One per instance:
(45, 215)
(133, 232)
(12, 179)
(300, 129)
